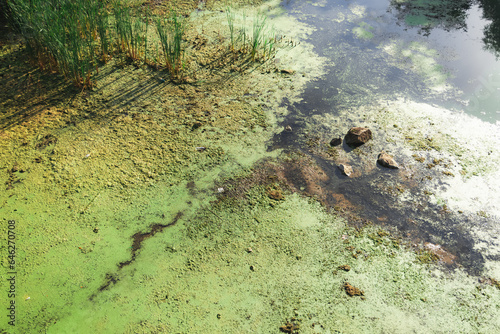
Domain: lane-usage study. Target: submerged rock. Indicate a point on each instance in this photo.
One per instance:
(357, 136)
(386, 160)
(345, 169)
(336, 141)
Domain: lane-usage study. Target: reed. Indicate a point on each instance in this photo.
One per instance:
(171, 32)
(230, 23)
(102, 24)
(258, 37)
(63, 35)
(260, 45)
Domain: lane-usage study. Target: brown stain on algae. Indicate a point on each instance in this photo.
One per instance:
(137, 239)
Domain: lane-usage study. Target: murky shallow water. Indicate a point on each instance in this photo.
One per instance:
(428, 94)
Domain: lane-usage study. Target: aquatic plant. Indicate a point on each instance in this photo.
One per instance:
(102, 25)
(258, 37)
(260, 45)
(72, 36)
(131, 32)
(63, 35)
(171, 32)
(230, 23)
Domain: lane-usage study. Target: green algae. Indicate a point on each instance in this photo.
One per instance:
(363, 31)
(128, 157)
(419, 57)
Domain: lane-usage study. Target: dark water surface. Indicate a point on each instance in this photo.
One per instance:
(444, 56)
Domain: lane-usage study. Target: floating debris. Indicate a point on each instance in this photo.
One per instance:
(291, 326)
(352, 290)
(345, 267)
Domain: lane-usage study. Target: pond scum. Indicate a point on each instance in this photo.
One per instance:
(74, 37)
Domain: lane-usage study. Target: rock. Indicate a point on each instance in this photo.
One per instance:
(358, 136)
(336, 141)
(288, 128)
(345, 169)
(286, 71)
(386, 160)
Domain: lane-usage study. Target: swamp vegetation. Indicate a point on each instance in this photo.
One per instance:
(168, 168)
(74, 38)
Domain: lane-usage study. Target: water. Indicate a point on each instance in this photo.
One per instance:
(406, 72)
(455, 53)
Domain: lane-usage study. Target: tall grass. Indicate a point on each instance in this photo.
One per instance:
(258, 37)
(171, 32)
(73, 36)
(64, 35)
(260, 45)
(230, 23)
(102, 24)
(131, 32)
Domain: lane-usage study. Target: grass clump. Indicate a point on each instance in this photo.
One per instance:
(73, 37)
(64, 35)
(171, 31)
(260, 45)
(131, 32)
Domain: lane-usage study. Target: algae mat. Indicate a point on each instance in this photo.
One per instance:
(145, 206)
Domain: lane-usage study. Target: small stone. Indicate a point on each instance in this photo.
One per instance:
(345, 169)
(288, 128)
(336, 141)
(357, 136)
(387, 161)
(288, 71)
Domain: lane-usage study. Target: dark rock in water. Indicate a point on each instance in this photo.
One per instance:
(386, 160)
(358, 136)
(345, 169)
(336, 141)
